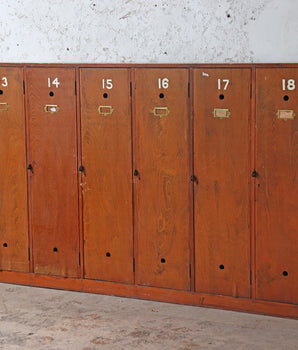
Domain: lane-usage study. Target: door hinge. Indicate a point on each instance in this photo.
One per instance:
(79, 258)
(254, 173)
(193, 178)
(130, 88)
(189, 270)
(250, 277)
(75, 87)
(188, 90)
(136, 174)
(28, 253)
(250, 92)
(24, 87)
(30, 167)
(133, 265)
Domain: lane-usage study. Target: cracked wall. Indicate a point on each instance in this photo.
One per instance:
(149, 31)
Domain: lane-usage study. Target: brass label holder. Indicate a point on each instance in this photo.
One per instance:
(3, 106)
(161, 111)
(51, 109)
(105, 110)
(286, 114)
(221, 113)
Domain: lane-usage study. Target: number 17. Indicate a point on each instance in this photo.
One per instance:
(226, 81)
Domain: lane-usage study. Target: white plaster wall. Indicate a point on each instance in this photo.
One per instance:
(149, 31)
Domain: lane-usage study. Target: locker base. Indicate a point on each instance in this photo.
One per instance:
(152, 293)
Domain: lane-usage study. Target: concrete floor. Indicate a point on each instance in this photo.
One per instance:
(36, 318)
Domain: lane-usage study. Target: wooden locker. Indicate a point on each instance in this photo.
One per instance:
(13, 184)
(52, 168)
(162, 186)
(222, 196)
(277, 184)
(107, 175)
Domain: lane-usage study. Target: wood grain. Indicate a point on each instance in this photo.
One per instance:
(13, 183)
(277, 188)
(53, 183)
(162, 201)
(106, 182)
(222, 203)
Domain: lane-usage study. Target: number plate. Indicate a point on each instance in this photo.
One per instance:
(286, 114)
(221, 113)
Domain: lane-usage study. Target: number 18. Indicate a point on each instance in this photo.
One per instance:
(288, 85)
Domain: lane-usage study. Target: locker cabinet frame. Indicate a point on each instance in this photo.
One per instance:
(152, 293)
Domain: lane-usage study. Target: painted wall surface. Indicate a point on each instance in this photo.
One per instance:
(149, 31)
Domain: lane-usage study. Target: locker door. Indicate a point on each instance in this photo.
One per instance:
(277, 185)
(107, 176)
(221, 164)
(162, 178)
(13, 183)
(53, 170)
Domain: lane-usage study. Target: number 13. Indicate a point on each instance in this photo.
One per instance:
(4, 83)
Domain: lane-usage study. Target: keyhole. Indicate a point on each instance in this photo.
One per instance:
(285, 273)
(51, 93)
(1, 92)
(162, 260)
(108, 254)
(105, 95)
(221, 267)
(221, 96)
(161, 95)
(5, 245)
(286, 98)
(55, 250)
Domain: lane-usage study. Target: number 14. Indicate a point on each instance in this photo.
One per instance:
(54, 82)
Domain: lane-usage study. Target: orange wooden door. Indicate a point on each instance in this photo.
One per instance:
(107, 176)
(221, 165)
(162, 178)
(277, 185)
(13, 183)
(53, 177)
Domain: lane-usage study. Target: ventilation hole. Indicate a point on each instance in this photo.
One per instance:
(285, 273)
(1, 92)
(286, 98)
(108, 254)
(221, 267)
(221, 96)
(55, 250)
(105, 95)
(51, 93)
(161, 95)
(5, 245)
(162, 260)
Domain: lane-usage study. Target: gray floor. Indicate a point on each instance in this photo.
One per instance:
(36, 318)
